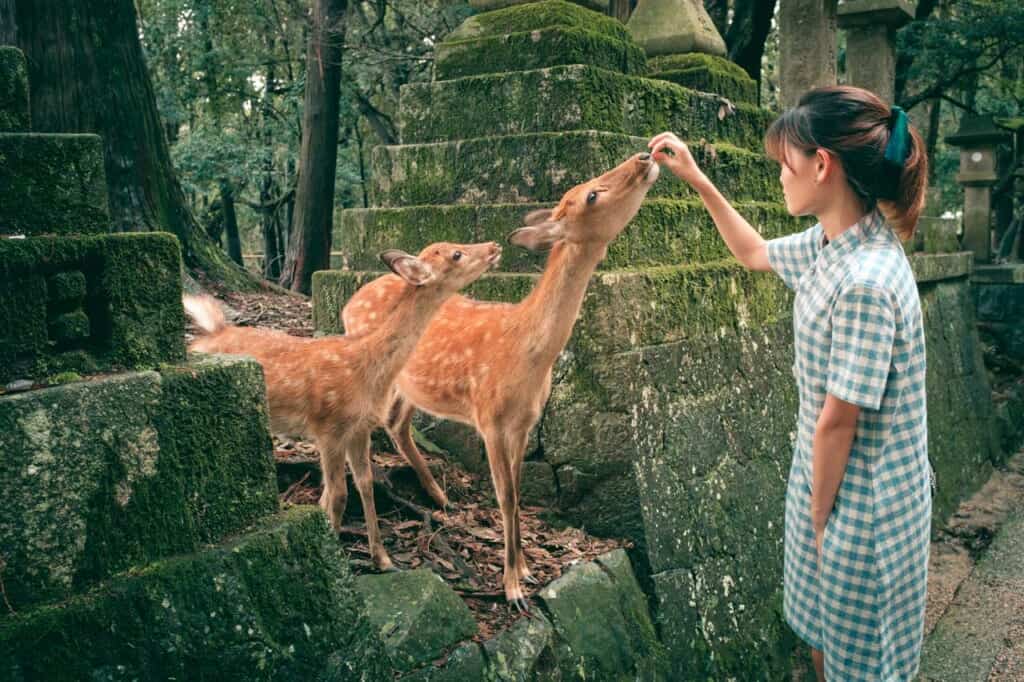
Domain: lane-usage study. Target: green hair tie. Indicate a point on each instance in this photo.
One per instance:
(897, 149)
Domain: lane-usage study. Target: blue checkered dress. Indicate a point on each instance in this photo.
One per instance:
(859, 336)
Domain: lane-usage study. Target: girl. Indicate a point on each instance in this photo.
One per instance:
(858, 503)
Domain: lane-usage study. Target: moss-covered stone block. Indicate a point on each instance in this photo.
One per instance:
(706, 73)
(14, 107)
(541, 167)
(525, 651)
(102, 475)
(52, 184)
(602, 623)
(575, 97)
(276, 603)
(933, 267)
(465, 663)
(963, 441)
(416, 615)
(534, 16)
(89, 304)
(664, 232)
(536, 49)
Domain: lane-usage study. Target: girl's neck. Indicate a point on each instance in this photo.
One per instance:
(841, 214)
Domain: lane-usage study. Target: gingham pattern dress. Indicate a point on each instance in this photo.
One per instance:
(859, 336)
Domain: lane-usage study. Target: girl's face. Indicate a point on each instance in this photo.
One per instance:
(801, 182)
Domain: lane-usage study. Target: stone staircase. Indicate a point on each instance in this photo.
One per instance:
(633, 442)
(140, 534)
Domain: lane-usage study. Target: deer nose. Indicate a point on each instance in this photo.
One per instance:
(645, 156)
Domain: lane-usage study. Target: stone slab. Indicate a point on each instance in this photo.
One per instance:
(541, 167)
(975, 629)
(536, 49)
(123, 310)
(14, 104)
(484, 5)
(103, 475)
(275, 603)
(664, 232)
(1011, 273)
(576, 97)
(675, 27)
(941, 266)
(52, 184)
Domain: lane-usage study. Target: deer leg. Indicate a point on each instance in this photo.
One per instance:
(521, 566)
(334, 497)
(358, 452)
(399, 427)
(501, 449)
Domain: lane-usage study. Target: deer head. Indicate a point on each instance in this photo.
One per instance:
(593, 212)
(447, 266)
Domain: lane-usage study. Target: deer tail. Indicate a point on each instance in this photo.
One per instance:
(205, 312)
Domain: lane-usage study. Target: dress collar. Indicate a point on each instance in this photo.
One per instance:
(864, 229)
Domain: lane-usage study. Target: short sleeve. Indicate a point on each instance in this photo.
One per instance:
(791, 256)
(863, 332)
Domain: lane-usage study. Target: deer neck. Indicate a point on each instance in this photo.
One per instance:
(550, 311)
(393, 342)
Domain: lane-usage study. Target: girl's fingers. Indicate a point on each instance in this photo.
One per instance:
(661, 137)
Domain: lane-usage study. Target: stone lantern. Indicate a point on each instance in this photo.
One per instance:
(977, 139)
(871, 27)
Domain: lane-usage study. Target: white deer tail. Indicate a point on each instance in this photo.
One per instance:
(205, 311)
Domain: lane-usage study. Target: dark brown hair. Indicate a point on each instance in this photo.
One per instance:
(855, 126)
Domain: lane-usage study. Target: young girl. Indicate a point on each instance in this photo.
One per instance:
(858, 502)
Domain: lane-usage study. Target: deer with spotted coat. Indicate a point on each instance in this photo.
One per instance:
(489, 364)
(337, 389)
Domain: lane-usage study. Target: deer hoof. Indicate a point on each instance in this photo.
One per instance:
(522, 606)
(530, 579)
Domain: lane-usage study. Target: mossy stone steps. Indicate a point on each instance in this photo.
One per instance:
(664, 232)
(534, 16)
(52, 184)
(89, 304)
(536, 49)
(706, 73)
(101, 475)
(574, 97)
(14, 105)
(277, 602)
(541, 167)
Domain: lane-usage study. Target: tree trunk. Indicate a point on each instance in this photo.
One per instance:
(718, 10)
(227, 196)
(93, 79)
(309, 248)
(8, 23)
(745, 39)
(807, 47)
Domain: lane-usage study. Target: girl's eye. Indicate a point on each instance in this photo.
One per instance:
(592, 197)
(457, 255)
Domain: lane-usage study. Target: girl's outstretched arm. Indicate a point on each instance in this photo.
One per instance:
(746, 244)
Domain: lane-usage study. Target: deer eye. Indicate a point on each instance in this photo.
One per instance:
(592, 197)
(457, 255)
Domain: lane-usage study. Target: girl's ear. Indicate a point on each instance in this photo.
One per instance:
(824, 166)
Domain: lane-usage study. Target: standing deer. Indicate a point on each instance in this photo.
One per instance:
(337, 389)
(489, 364)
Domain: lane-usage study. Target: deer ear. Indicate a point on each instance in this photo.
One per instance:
(538, 216)
(539, 237)
(410, 268)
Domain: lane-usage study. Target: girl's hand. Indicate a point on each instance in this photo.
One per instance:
(673, 153)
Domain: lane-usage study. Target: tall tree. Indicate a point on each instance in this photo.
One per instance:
(309, 248)
(93, 79)
(745, 38)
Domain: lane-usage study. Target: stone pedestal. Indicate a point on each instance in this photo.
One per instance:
(977, 139)
(871, 27)
(807, 47)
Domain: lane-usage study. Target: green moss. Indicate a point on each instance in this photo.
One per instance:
(99, 476)
(52, 184)
(535, 50)
(574, 97)
(64, 378)
(539, 15)
(696, 60)
(89, 303)
(14, 107)
(664, 232)
(541, 167)
(707, 80)
(277, 603)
